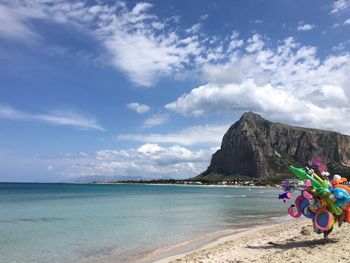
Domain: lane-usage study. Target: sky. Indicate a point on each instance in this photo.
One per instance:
(111, 90)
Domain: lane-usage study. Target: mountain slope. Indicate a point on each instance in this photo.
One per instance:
(255, 147)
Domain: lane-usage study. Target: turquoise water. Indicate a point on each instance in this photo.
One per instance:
(71, 223)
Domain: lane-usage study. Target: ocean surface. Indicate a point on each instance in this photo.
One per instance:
(74, 223)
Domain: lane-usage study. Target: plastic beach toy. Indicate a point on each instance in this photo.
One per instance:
(323, 220)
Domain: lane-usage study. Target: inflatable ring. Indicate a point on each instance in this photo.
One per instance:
(323, 220)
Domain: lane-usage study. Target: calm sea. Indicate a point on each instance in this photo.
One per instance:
(72, 223)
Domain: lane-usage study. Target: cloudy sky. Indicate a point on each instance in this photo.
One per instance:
(147, 89)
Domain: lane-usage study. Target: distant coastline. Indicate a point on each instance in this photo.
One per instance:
(233, 183)
(248, 184)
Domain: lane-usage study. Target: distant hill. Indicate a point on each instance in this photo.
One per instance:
(257, 148)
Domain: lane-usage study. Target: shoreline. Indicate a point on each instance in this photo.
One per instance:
(167, 254)
(172, 252)
(289, 241)
(154, 184)
(185, 185)
(187, 246)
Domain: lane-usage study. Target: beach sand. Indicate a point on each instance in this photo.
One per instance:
(292, 241)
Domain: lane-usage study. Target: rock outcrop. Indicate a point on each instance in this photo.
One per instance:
(255, 147)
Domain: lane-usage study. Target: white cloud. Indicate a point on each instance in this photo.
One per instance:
(288, 83)
(138, 42)
(193, 29)
(340, 6)
(151, 160)
(347, 22)
(235, 42)
(59, 117)
(209, 134)
(142, 45)
(149, 148)
(204, 17)
(255, 44)
(305, 27)
(147, 161)
(139, 108)
(12, 25)
(155, 120)
(239, 76)
(341, 46)
(233, 71)
(15, 16)
(140, 49)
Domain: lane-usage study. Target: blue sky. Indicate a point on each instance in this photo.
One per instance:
(92, 89)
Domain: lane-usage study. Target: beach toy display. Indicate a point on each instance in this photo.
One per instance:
(324, 201)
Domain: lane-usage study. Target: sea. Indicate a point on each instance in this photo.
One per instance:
(59, 223)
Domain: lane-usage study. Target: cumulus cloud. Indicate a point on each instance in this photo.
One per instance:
(139, 108)
(239, 73)
(57, 117)
(138, 42)
(288, 83)
(149, 148)
(305, 27)
(347, 22)
(147, 161)
(209, 134)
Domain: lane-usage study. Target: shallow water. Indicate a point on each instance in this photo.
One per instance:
(71, 223)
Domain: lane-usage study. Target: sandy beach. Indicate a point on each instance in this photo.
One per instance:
(292, 241)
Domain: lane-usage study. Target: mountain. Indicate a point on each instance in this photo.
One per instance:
(257, 148)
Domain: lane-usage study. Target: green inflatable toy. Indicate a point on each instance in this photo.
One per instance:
(320, 186)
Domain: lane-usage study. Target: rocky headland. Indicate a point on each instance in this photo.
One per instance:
(254, 147)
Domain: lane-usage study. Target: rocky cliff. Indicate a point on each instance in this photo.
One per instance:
(256, 147)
